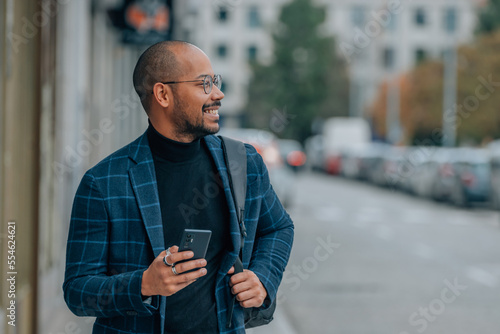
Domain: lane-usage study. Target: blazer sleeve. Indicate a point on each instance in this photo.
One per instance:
(89, 288)
(274, 236)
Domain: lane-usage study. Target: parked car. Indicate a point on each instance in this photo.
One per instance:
(494, 152)
(340, 134)
(419, 180)
(315, 153)
(266, 144)
(360, 162)
(472, 176)
(442, 173)
(395, 168)
(292, 154)
(463, 176)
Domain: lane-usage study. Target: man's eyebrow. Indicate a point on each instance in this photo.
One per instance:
(201, 76)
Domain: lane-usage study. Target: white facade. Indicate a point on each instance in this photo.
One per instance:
(378, 38)
(245, 29)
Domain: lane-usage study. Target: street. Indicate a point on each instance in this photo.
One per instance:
(371, 260)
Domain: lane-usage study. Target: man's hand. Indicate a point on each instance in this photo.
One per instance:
(248, 289)
(159, 279)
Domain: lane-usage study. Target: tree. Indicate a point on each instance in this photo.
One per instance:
(489, 17)
(306, 79)
(478, 97)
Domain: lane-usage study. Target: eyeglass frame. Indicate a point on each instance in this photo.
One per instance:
(211, 85)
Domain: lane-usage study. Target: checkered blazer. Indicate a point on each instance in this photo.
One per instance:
(116, 232)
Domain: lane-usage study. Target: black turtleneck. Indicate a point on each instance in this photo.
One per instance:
(191, 196)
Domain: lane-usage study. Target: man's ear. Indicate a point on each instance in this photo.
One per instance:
(161, 94)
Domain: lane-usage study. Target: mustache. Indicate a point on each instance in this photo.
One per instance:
(215, 104)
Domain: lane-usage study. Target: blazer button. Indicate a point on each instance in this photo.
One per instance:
(131, 313)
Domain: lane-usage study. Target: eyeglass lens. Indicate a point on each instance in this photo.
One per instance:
(208, 83)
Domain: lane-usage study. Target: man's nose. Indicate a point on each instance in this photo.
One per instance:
(217, 93)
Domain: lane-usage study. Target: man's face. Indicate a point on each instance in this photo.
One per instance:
(195, 113)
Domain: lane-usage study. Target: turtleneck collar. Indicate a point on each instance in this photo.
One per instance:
(171, 150)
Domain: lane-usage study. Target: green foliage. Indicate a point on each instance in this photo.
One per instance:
(489, 17)
(306, 79)
(478, 97)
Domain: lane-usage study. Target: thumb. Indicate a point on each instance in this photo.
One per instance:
(231, 271)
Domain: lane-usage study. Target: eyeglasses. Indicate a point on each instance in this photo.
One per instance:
(208, 82)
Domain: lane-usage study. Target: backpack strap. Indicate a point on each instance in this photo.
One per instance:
(236, 161)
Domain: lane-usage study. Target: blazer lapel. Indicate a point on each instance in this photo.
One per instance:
(143, 179)
(214, 146)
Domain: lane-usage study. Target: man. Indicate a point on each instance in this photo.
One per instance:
(129, 212)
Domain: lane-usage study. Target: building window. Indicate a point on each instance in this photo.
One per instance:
(420, 56)
(252, 53)
(450, 19)
(222, 51)
(420, 17)
(253, 17)
(222, 14)
(389, 58)
(358, 16)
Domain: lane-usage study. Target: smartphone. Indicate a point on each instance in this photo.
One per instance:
(196, 241)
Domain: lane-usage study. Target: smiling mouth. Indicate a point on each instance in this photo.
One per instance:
(211, 111)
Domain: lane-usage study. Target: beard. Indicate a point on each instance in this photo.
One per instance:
(187, 125)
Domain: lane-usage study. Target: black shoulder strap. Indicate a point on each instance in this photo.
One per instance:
(236, 161)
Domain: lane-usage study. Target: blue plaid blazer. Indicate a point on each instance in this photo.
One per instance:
(116, 232)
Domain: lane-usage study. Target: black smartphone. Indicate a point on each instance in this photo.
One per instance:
(196, 241)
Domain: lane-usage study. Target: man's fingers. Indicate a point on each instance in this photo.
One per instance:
(190, 265)
(176, 256)
(241, 277)
(253, 302)
(245, 295)
(191, 276)
(231, 271)
(240, 287)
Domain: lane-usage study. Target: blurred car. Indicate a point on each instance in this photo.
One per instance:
(340, 134)
(266, 144)
(292, 154)
(442, 173)
(360, 162)
(314, 150)
(472, 177)
(463, 177)
(418, 181)
(395, 167)
(494, 152)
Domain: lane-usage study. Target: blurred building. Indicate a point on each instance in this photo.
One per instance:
(232, 33)
(377, 38)
(66, 101)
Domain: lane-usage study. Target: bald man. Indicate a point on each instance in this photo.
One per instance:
(123, 263)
